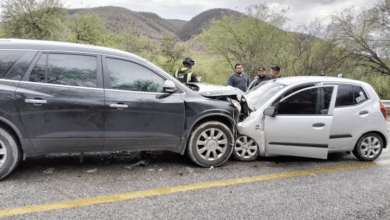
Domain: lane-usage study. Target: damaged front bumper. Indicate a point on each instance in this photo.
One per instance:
(254, 129)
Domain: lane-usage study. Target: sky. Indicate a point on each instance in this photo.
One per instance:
(300, 11)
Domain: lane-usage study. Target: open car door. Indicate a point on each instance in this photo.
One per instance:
(301, 123)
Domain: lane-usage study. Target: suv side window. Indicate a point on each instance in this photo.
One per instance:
(38, 73)
(20, 67)
(73, 70)
(126, 75)
(66, 69)
(313, 101)
(7, 60)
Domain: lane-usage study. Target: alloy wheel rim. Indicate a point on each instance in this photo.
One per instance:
(370, 147)
(211, 144)
(245, 147)
(3, 154)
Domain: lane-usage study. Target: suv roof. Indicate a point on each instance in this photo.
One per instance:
(64, 46)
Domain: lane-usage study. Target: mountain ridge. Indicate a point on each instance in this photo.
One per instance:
(119, 19)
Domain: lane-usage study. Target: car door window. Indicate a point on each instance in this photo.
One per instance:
(73, 70)
(344, 95)
(315, 101)
(348, 95)
(66, 69)
(126, 75)
(38, 73)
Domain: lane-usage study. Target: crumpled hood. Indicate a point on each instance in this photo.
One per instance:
(223, 93)
(209, 90)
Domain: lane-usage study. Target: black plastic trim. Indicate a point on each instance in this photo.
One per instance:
(335, 136)
(300, 144)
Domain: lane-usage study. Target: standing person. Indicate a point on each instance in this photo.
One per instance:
(185, 74)
(261, 77)
(239, 79)
(275, 72)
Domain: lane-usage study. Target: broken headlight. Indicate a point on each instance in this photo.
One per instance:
(236, 104)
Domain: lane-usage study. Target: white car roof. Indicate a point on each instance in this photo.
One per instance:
(308, 79)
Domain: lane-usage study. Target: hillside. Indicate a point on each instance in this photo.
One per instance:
(195, 25)
(119, 19)
(177, 24)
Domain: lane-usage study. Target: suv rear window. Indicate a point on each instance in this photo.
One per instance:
(350, 95)
(7, 60)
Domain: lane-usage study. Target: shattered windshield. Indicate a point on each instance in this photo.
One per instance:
(262, 93)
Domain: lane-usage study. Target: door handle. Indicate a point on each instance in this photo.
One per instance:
(119, 106)
(318, 125)
(36, 102)
(363, 112)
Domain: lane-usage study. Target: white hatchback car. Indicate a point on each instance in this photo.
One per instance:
(311, 117)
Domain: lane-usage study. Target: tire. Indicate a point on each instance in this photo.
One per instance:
(369, 147)
(245, 149)
(210, 144)
(10, 153)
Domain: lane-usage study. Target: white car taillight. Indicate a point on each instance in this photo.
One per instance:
(383, 110)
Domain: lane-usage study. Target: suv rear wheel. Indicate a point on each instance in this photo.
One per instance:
(211, 144)
(369, 147)
(10, 153)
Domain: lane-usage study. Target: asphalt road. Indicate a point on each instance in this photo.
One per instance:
(351, 193)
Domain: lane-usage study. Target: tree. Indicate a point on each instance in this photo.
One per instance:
(88, 28)
(314, 52)
(34, 19)
(134, 43)
(251, 39)
(2, 32)
(366, 36)
(171, 51)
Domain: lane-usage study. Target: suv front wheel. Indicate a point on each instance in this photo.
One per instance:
(210, 144)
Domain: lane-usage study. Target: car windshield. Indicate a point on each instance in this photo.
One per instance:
(262, 93)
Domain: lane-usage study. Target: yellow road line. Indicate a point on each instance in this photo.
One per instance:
(162, 191)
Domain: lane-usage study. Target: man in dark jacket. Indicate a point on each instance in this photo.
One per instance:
(261, 77)
(275, 72)
(239, 79)
(185, 74)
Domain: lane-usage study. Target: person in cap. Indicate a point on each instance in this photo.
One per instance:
(261, 77)
(275, 72)
(239, 79)
(185, 74)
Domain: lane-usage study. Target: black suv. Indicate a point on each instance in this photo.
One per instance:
(61, 97)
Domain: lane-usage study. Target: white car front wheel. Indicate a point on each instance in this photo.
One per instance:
(245, 149)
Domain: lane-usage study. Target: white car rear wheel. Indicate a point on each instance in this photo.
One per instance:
(369, 147)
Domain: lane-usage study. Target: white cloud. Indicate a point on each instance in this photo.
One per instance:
(305, 12)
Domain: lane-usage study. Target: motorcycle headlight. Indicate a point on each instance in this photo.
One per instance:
(236, 104)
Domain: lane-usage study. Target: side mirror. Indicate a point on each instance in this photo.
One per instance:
(169, 86)
(271, 111)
